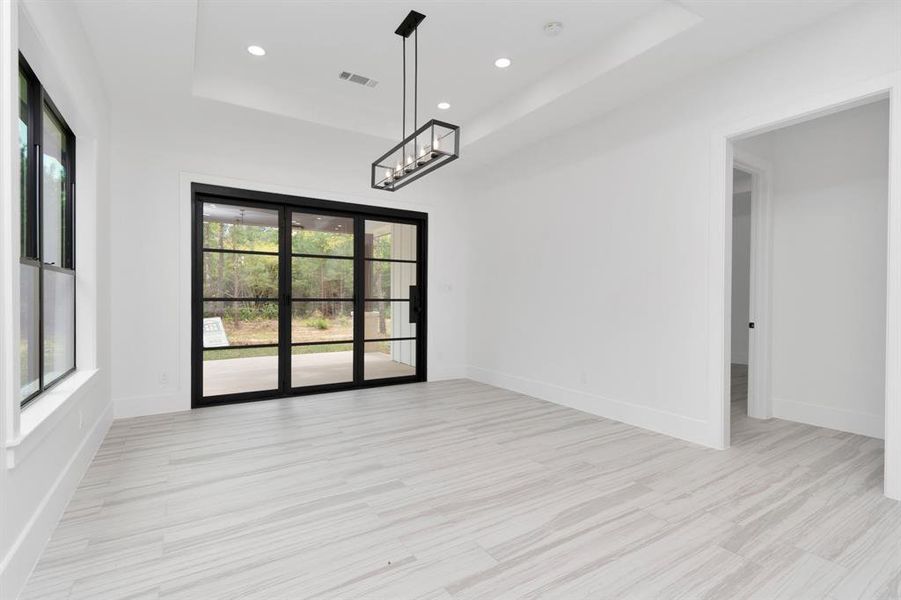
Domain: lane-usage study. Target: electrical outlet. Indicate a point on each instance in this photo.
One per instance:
(164, 378)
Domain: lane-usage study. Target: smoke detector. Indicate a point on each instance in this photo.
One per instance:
(553, 28)
(356, 78)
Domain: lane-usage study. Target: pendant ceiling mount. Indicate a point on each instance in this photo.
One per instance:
(428, 147)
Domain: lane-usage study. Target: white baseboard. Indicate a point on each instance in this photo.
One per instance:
(660, 421)
(142, 406)
(28, 547)
(447, 372)
(839, 419)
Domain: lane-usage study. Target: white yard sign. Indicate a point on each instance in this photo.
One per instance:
(214, 333)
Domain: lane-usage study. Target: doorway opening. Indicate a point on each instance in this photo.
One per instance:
(809, 256)
(295, 296)
(741, 291)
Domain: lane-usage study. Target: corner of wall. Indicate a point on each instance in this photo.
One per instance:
(678, 426)
(26, 550)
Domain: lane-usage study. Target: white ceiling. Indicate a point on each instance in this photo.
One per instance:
(160, 52)
(309, 43)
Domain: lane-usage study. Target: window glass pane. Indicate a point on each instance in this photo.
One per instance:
(322, 278)
(59, 324)
(53, 191)
(322, 364)
(230, 275)
(388, 320)
(322, 321)
(389, 279)
(239, 227)
(236, 370)
(390, 240)
(23, 165)
(29, 353)
(239, 324)
(322, 234)
(389, 359)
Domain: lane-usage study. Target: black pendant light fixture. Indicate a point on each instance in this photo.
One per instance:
(429, 147)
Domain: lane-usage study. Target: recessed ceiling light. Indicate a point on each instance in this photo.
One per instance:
(256, 50)
(444, 105)
(553, 29)
(502, 63)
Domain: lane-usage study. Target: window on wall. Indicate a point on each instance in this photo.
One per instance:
(47, 261)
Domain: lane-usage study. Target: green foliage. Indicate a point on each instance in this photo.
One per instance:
(317, 322)
(235, 275)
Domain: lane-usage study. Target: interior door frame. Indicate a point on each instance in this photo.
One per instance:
(202, 192)
(760, 307)
(719, 253)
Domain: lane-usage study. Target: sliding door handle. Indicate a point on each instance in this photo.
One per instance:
(415, 304)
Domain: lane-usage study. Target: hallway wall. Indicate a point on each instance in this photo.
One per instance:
(741, 274)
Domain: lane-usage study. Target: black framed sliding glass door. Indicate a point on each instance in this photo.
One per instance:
(240, 262)
(298, 295)
(392, 300)
(322, 299)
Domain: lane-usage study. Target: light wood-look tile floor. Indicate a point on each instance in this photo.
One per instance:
(457, 490)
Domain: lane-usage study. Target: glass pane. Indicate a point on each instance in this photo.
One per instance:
(29, 363)
(322, 234)
(388, 320)
(322, 278)
(53, 191)
(231, 227)
(389, 279)
(59, 324)
(321, 364)
(389, 359)
(23, 164)
(229, 275)
(390, 240)
(236, 370)
(322, 321)
(239, 324)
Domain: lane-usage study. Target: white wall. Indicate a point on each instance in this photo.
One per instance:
(741, 275)
(590, 257)
(46, 448)
(155, 157)
(830, 193)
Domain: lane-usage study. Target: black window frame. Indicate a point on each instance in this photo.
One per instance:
(287, 204)
(31, 246)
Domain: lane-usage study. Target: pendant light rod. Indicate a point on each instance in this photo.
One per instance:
(403, 126)
(415, 80)
(408, 27)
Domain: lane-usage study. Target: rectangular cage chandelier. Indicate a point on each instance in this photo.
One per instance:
(428, 147)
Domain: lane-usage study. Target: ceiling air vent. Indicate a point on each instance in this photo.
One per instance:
(354, 78)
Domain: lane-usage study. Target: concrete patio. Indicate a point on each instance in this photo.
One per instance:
(235, 375)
